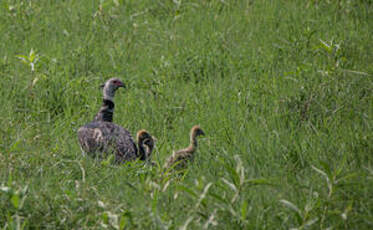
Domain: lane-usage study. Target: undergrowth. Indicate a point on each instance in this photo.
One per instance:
(283, 90)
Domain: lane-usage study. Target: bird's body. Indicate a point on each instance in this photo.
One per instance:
(101, 136)
(179, 159)
(97, 138)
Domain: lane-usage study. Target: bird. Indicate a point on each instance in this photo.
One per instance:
(179, 159)
(101, 135)
(145, 144)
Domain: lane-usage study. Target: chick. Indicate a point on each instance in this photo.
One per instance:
(179, 159)
(145, 143)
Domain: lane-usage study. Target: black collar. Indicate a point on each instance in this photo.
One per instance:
(109, 103)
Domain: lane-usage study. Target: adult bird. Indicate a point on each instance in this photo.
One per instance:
(179, 159)
(103, 136)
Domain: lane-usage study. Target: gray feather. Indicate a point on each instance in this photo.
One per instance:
(97, 138)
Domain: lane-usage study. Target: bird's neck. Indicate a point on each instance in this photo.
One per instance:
(142, 151)
(193, 143)
(145, 150)
(106, 111)
(108, 93)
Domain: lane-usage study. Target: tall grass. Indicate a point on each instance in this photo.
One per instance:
(283, 90)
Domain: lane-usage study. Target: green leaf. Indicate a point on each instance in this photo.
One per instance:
(122, 222)
(328, 181)
(32, 55)
(218, 197)
(244, 210)
(326, 46)
(231, 185)
(105, 218)
(234, 175)
(108, 161)
(341, 166)
(326, 168)
(347, 177)
(23, 58)
(188, 190)
(259, 181)
(155, 202)
(292, 207)
(14, 147)
(320, 171)
(15, 200)
(311, 222)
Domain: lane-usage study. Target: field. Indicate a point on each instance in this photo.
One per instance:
(283, 90)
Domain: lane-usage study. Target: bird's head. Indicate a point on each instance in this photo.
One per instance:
(111, 86)
(197, 131)
(142, 135)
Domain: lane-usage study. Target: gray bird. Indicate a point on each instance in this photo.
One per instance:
(102, 136)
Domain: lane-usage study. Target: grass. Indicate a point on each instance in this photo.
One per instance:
(283, 90)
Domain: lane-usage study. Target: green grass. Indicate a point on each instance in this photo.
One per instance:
(283, 90)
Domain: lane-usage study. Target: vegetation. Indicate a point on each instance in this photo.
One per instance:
(283, 90)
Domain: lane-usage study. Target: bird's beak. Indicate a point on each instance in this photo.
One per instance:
(101, 86)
